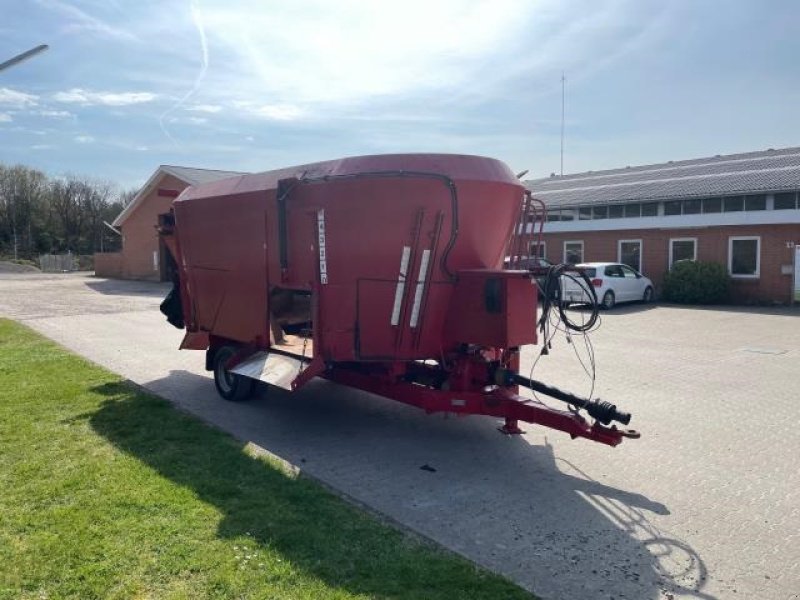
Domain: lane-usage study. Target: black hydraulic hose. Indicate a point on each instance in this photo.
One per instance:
(552, 291)
(453, 231)
(605, 412)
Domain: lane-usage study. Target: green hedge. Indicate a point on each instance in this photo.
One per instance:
(691, 282)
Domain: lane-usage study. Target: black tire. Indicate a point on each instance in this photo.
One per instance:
(609, 300)
(648, 295)
(229, 385)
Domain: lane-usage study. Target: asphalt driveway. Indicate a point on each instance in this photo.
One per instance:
(705, 505)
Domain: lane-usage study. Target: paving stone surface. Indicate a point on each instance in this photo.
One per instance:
(705, 505)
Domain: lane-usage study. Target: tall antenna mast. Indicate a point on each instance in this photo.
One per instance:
(563, 81)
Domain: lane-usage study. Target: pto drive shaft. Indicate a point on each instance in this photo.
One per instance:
(605, 412)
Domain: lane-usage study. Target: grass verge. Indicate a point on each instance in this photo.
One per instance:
(108, 492)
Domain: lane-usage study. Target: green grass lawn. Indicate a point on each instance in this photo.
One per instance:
(108, 492)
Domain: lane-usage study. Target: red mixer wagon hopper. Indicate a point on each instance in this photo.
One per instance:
(383, 273)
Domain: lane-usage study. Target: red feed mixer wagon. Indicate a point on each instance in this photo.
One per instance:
(382, 273)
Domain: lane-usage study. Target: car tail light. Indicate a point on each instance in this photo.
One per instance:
(597, 282)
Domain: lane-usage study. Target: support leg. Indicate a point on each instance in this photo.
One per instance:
(511, 427)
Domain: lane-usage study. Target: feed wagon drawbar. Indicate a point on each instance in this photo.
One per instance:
(383, 273)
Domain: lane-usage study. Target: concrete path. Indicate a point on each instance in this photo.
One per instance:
(705, 505)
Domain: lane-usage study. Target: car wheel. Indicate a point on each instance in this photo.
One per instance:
(648, 295)
(230, 385)
(608, 300)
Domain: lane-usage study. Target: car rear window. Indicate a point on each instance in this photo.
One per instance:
(590, 271)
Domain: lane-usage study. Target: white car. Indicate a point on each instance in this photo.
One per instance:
(612, 283)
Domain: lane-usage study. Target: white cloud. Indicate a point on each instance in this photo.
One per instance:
(205, 108)
(88, 98)
(42, 147)
(273, 112)
(13, 98)
(278, 112)
(84, 139)
(55, 114)
(357, 49)
(79, 21)
(359, 70)
(5, 118)
(359, 57)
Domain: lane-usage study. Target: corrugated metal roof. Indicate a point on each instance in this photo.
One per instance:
(188, 174)
(753, 172)
(197, 176)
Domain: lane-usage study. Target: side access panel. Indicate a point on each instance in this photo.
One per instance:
(492, 308)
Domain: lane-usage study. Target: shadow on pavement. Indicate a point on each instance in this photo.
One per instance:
(122, 287)
(505, 503)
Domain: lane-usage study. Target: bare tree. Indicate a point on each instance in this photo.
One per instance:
(126, 196)
(22, 192)
(40, 214)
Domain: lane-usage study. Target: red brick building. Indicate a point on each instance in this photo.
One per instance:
(742, 211)
(143, 255)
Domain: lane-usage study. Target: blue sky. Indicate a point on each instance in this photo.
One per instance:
(255, 85)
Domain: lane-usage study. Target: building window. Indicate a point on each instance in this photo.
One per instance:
(585, 213)
(616, 211)
(573, 252)
(785, 201)
(629, 252)
(691, 207)
(755, 202)
(633, 210)
(712, 205)
(600, 212)
(733, 203)
(682, 249)
(554, 215)
(650, 209)
(672, 207)
(538, 249)
(744, 256)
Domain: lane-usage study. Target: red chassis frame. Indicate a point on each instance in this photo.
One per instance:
(390, 380)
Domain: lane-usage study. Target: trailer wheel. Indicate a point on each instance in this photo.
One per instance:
(230, 385)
